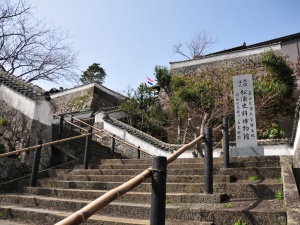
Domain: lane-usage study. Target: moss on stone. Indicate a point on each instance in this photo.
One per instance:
(79, 102)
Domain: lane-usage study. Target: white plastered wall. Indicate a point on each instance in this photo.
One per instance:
(40, 110)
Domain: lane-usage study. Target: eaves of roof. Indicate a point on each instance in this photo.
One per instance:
(27, 89)
(74, 89)
(245, 48)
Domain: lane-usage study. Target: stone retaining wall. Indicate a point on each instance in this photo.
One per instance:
(24, 120)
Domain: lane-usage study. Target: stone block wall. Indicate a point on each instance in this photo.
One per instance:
(88, 97)
(102, 99)
(73, 101)
(249, 64)
(17, 126)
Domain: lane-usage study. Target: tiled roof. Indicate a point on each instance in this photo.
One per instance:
(27, 89)
(99, 86)
(108, 110)
(146, 137)
(244, 47)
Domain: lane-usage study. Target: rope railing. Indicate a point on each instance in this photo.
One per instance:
(96, 205)
(109, 135)
(73, 124)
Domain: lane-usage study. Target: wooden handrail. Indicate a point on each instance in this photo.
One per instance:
(96, 205)
(42, 145)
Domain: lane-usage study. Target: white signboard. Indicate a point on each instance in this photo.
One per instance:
(245, 122)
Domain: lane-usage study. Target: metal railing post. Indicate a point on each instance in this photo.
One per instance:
(113, 145)
(61, 122)
(225, 143)
(139, 153)
(158, 195)
(36, 163)
(87, 149)
(208, 161)
(71, 128)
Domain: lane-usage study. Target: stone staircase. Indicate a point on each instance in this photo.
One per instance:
(251, 190)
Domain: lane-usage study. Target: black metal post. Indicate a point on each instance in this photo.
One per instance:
(113, 145)
(208, 162)
(87, 149)
(61, 123)
(225, 143)
(139, 153)
(36, 163)
(158, 195)
(80, 124)
(71, 128)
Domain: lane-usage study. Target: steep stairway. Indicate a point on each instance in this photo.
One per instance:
(76, 147)
(249, 191)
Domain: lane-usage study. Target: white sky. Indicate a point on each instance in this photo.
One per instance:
(130, 37)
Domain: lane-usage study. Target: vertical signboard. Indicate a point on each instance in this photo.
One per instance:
(245, 121)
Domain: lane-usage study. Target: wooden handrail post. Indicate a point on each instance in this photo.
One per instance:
(87, 149)
(158, 195)
(225, 143)
(61, 122)
(36, 163)
(113, 144)
(139, 152)
(208, 161)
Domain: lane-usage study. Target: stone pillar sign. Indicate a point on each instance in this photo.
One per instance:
(245, 121)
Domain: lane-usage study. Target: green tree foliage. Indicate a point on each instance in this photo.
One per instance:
(272, 132)
(163, 77)
(279, 71)
(95, 73)
(274, 92)
(144, 113)
(201, 94)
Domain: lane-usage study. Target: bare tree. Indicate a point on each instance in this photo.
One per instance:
(196, 47)
(30, 49)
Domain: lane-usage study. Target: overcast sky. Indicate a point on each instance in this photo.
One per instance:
(130, 37)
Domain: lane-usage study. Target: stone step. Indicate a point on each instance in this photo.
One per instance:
(181, 165)
(125, 178)
(254, 190)
(238, 173)
(4, 221)
(133, 197)
(189, 160)
(37, 216)
(250, 212)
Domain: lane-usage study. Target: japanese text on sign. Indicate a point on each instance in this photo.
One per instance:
(245, 120)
